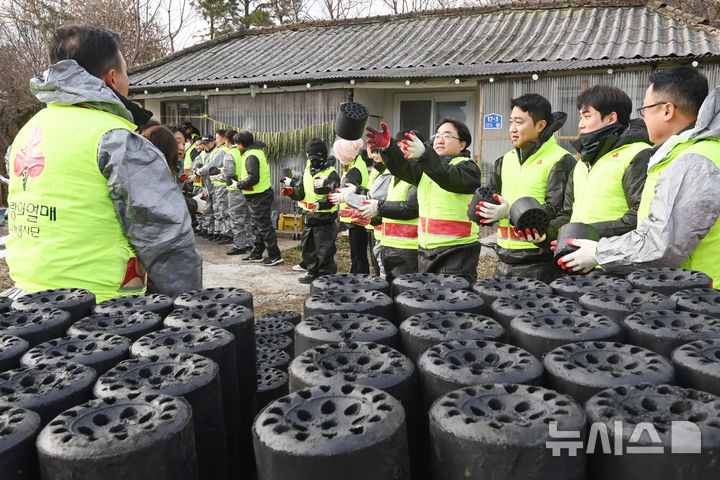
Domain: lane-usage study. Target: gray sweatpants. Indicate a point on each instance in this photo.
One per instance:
(240, 221)
(220, 199)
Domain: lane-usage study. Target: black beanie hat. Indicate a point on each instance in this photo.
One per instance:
(316, 148)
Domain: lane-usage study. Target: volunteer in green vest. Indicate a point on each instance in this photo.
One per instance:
(311, 190)
(207, 222)
(355, 176)
(680, 206)
(374, 231)
(605, 187)
(397, 209)
(209, 172)
(92, 204)
(253, 171)
(446, 177)
(536, 167)
(214, 168)
(238, 215)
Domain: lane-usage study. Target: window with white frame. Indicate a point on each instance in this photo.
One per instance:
(423, 111)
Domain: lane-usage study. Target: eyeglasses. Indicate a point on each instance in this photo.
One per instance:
(444, 136)
(641, 110)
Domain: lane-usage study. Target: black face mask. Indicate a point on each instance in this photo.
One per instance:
(589, 143)
(317, 165)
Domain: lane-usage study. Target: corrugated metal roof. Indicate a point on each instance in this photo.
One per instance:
(538, 36)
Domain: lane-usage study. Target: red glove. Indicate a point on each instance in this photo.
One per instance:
(378, 139)
(184, 177)
(358, 219)
(286, 191)
(348, 212)
(553, 245)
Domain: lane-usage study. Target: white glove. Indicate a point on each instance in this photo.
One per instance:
(319, 182)
(493, 212)
(412, 146)
(581, 260)
(216, 178)
(286, 181)
(201, 204)
(369, 208)
(529, 236)
(337, 197)
(234, 183)
(348, 188)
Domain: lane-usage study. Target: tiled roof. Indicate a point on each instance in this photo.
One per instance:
(532, 36)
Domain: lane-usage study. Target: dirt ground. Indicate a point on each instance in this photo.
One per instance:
(273, 288)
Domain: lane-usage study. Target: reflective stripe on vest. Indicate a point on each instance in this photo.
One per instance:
(604, 200)
(706, 257)
(63, 229)
(360, 165)
(237, 159)
(526, 180)
(371, 180)
(311, 198)
(220, 151)
(443, 218)
(264, 181)
(399, 233)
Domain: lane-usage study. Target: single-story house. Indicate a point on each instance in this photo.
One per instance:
(413, 69)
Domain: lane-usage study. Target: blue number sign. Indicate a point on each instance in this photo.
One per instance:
(492, 121)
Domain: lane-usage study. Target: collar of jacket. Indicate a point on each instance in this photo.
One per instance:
(594, 145)
(464, 153)
(556, 122)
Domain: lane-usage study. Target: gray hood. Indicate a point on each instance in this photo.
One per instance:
(67, 83)
(706, 125)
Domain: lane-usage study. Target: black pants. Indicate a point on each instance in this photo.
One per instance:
(461, 260)
(318, 248)
(260, 206)
(373, 258)
(398, 261)
(544, 271)
(358, 249)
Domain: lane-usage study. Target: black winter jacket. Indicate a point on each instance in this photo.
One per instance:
(464, 177)
(400, 210)
(633, 179)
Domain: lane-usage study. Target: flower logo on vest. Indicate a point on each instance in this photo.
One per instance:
(30, 161)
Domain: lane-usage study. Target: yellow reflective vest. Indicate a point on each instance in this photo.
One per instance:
(598, 192)
(399, 233)
(64, 232)
(443, 221)
(526, 180)
(706, 257)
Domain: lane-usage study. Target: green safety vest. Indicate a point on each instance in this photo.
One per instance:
(187, 161)
(443, 220)
(311, 198)
(706, 257)
(399, 233)
(604, 200)
(358, 164)
(197, 182)
(264, 181)
(64, 232)
(371, 179)
(526, 180)
(237, 158)
(224, 149)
